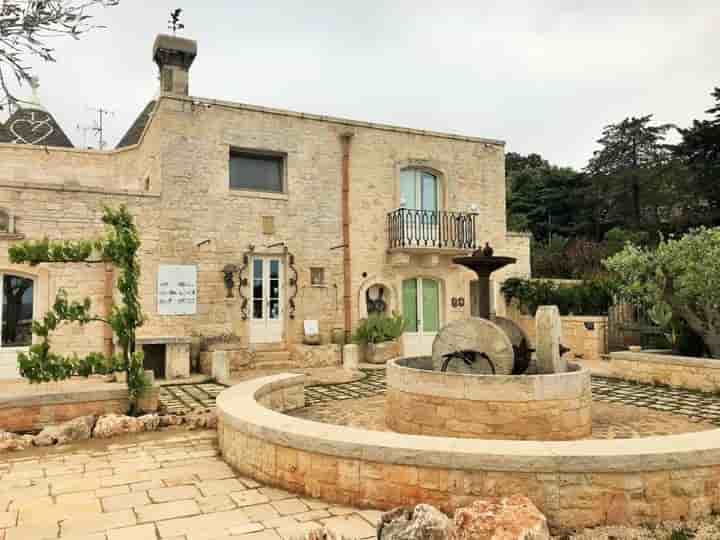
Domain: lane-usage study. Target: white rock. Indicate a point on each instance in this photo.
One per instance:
(77, 429)
(423, 522)
(111, 425)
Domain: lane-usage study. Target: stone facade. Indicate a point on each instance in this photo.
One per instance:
(575, 484)
(175, 181)
(657, 367)
(528, 407)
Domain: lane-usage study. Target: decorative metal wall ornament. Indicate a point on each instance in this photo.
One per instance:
(376, 305)
(454, 302)
(243, 281)
(461, 301)
(292, 282)
(228, 271)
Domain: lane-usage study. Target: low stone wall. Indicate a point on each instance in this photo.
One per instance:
(25, 407)
(585, 336)
(658, 367)
(574, 483)
(517, 407)
(315, 356)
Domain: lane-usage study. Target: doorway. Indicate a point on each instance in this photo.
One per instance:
(421, 310)
(16, 318)
(266, 321)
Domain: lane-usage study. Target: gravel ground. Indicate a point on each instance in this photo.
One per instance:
(708, 529)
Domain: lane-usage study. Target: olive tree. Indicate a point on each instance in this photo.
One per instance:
(682, 274)
(26, 26)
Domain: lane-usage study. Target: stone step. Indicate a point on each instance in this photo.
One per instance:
(272, 360)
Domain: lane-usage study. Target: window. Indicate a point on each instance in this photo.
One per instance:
(317, 276)
(17, 311)
(256, 171)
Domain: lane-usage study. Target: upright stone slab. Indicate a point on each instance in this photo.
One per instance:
(220, 366)
(474, 334)
(548, 331)
(351, 357)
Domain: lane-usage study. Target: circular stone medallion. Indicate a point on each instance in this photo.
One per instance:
(474, 334)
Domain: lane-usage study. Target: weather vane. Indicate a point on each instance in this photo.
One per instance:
(174, 23)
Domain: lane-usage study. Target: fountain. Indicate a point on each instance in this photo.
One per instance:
(477, 384)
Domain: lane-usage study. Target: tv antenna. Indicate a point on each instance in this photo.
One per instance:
(98, 125)
(84, 129)
(174, 23)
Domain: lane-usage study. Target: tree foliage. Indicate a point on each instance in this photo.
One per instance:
(681, 274)
(120, 247)
(25, 28)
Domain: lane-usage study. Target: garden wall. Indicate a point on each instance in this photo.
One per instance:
(574, 483)
(586, 336)
(30, 407)
(659, 367)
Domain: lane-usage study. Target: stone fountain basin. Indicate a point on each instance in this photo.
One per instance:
(423, 401)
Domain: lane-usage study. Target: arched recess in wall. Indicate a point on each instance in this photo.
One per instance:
(377, 294)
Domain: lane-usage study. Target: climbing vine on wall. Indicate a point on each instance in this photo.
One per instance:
(120, 247)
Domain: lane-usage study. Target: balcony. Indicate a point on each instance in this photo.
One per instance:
(431, 230)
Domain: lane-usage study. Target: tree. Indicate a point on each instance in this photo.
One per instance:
(541, 197)
(120, 247)
(681, 274)
(625, 172)
(699, 150)
(25, 26)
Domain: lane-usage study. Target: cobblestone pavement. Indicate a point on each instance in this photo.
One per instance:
(697, 406)
(170, 485)
(372, 385)
(185, 397)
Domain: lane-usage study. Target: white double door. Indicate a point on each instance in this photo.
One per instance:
(421, 311)
(16, 317)
(267, 311)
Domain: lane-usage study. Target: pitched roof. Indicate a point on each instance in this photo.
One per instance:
(133, 134)
(34, 125)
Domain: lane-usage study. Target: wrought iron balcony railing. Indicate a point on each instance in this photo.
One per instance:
(409, 228)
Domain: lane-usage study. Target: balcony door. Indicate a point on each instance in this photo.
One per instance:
(15, 322)
(266, 323)
(419, 200)
(421, 310)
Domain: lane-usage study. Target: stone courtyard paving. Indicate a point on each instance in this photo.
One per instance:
(170, 485)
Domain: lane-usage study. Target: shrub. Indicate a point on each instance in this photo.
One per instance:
(592, 297)
(379, 328)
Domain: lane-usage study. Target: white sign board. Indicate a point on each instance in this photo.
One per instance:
(177, 289)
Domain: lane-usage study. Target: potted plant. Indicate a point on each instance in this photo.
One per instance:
(378, 336)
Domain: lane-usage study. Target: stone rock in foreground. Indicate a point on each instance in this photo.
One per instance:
(424, 522)
(201, 419)
(12, 441)
(77, 429)
(111, 425)
(502, 518)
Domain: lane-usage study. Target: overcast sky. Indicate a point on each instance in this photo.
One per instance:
(545, 76)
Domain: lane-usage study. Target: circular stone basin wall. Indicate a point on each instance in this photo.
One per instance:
(422, 401)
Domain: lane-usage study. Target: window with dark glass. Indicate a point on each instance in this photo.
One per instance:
(256, 171)
(17, 311)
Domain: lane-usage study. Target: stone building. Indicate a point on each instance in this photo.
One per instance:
(253, 221)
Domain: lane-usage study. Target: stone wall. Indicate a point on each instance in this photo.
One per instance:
(575, 484)
(532, 407)
(656, 367)
(586, 336)
(25, 407)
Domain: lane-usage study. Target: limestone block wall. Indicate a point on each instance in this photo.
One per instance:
(656, 367)
(525, 407)
(575, 484)
(586, 336)
(25, 407)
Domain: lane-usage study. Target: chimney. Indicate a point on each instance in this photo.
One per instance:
(174, 56)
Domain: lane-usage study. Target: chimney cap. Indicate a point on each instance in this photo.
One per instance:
(174, 50)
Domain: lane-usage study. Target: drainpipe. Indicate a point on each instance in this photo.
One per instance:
(346, 138)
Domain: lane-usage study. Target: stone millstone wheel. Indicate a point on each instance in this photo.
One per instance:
(474, 334)
(520, 342)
